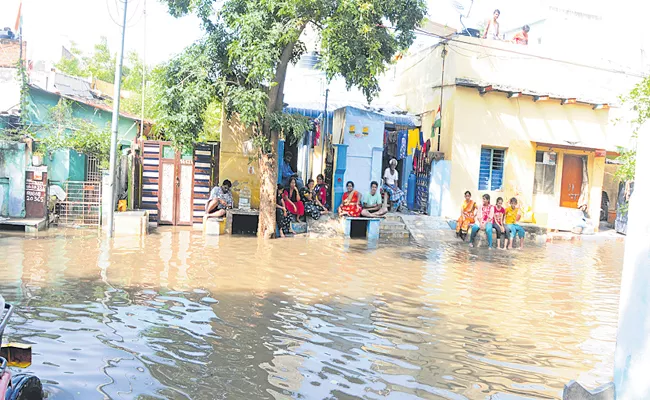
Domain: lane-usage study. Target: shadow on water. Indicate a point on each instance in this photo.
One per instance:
(181, 316)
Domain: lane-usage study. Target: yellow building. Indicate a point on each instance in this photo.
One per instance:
(516, 123)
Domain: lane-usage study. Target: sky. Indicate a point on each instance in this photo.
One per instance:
(49, 24)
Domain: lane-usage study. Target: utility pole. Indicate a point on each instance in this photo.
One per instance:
(114, 126)
(144, 69)
(632, 358)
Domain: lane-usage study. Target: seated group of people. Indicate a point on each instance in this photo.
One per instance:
(487, 217)
(294, 203)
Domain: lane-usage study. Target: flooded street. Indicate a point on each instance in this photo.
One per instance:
(181, 316)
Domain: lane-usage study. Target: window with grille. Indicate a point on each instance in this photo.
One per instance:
(544, 175)
(490, 176)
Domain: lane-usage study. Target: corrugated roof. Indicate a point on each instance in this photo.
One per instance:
(93, 104)
(72, 86)
(316, 109)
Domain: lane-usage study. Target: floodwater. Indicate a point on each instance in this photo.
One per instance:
(181, 316)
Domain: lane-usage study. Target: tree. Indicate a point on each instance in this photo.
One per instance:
(250, 43)
(100, 64)
(67, 132)
(639, 100)
(73, 63)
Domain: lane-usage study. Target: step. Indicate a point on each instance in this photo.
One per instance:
(392, 226)
(394, 235)
(392, 217)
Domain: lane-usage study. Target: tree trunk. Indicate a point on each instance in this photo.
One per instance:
(268, 179)
(268, 162)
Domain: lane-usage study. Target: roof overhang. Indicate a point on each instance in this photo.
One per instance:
(566, 98)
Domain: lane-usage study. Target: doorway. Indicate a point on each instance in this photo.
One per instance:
(571, 181)
(176, 186)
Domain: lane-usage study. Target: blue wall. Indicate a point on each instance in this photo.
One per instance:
(12, 179)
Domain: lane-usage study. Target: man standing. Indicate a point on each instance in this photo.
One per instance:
(522, 37)
(220, 200)
(372, 204)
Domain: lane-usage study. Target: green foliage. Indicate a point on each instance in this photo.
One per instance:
(100, 64)
(72, 65)
(186, 93)
(66, 132)
(291, 126)
(249, 43)
(639, 100)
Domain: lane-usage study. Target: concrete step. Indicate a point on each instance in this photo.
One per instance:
(394, 235)
(392, 226)
(392, 217)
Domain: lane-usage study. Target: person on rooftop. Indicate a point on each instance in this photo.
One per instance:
(522, 37)
(492, 28)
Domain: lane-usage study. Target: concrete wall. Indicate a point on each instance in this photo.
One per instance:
(66, 165)
(13, 162)
(10, 89)
(234, 162)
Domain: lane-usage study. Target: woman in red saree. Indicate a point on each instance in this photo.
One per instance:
(467, 216)
(292, 200)
(350, 206)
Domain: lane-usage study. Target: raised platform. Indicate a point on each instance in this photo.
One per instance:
(242, 222)
(29, 225)
(131, 223)
(214, 226)
(360, 227)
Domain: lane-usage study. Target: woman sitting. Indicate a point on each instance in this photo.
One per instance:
(293, 201)
(282, 218)
(350, 206)
(320, 194)
(391, 188)
(308, 195)
(467, 216)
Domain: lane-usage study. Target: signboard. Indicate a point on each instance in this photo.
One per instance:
(601, 153)
(36, 192)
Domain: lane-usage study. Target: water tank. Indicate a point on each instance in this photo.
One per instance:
(410, 191)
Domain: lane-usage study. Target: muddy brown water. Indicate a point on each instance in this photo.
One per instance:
(181, 316)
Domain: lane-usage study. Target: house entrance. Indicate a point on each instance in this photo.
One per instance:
(571, 181)
(176, 184)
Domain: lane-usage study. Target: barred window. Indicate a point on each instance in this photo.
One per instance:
(490, 176)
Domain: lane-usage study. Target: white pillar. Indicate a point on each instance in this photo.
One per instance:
(632, 358)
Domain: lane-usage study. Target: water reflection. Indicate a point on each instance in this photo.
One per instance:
(179, 315)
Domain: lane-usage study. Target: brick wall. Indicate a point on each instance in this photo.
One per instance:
(10, 52)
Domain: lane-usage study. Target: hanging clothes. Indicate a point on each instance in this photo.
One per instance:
(391, 146)
(317, 127)
(402, 144)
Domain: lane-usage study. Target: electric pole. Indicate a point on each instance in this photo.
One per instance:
(114, 126)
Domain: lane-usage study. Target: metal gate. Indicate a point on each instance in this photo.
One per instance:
(82, 204)
(175, 185)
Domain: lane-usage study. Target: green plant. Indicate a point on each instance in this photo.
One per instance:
(66, 132)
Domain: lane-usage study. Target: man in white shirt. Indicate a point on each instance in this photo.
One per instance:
(391, 188)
